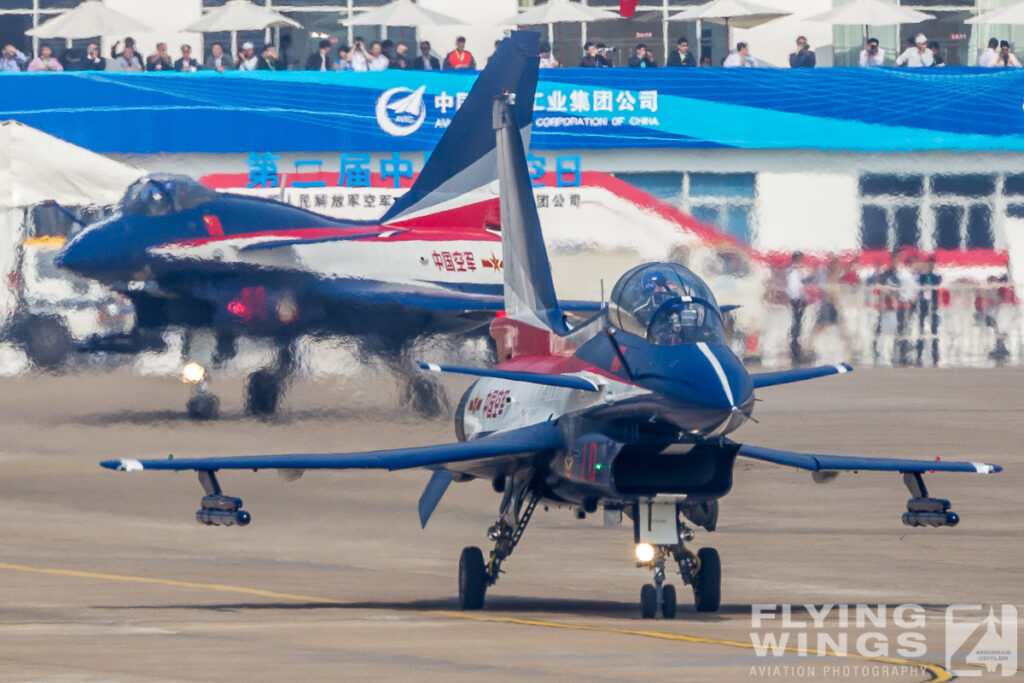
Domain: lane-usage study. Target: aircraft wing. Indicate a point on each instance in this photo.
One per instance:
(567, 381)
(514, 442)
(817, 463)
(768, 379)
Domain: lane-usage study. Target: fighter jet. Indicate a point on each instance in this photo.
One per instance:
(191, 258)
(629, 412)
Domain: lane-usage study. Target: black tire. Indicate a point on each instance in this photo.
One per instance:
(472, 579)
(668, 601)
(47, 342)
(648, 601)
(707, 585)
(425, 397)
(203, 407)
(262, 393)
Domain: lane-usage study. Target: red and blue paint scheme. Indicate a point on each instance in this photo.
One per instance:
(193, 258)
(628, 411)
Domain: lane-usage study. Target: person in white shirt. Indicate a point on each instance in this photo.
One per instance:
(919, 55)
(988, 58)
(796, 292)
(872, 55)
(1006, 58)
(247, 59)
(740, 58)
(547, 61)
(377, 60)
(358, 58)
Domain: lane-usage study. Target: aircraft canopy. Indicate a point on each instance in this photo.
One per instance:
(666, 304)
(164, 194)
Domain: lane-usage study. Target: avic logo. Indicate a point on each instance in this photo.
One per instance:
(400, 111)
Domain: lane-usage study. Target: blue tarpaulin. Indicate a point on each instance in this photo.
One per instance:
(880, 109)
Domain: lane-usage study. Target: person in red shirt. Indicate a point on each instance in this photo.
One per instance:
(459, 58)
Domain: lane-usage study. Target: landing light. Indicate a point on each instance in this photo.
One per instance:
(193, 373)
(644, 552)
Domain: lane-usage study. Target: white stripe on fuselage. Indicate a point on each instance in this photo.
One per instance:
(718, 371)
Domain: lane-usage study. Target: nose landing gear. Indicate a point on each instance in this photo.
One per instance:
(657, 526)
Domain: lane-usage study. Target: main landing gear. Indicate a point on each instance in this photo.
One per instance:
(521, 495)
(661, 534)
(263, 388)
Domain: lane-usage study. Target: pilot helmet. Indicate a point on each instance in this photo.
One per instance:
(653, 279)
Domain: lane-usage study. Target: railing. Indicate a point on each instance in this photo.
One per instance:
(974, 326)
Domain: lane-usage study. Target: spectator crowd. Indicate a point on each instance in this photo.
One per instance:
(386, 54)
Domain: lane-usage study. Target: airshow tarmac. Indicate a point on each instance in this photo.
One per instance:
(107, 576)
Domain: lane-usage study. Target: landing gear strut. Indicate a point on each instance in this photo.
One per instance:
(517, 506)
(702, 571)
(263, 388)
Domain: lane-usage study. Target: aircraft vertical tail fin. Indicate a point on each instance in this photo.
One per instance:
(529, 291)
(463, 164)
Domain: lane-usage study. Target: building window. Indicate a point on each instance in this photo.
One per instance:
(667, 187)
(725, 200)
(942, 211)
(890, 211)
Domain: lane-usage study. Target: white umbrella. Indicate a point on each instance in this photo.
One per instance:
(87, 20)
(1012, 14)
(401, 13)
(738, 13)
(240, 15)
(556, 11)
(870, 13)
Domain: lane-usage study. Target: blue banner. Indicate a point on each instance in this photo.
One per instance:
(868, 110)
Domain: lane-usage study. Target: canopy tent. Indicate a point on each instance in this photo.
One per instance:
(557, 11)
(870, 13)
(240, 15)
(37, 167)
(1011, 14)
(88, 20)
(400, 13)
(738, 13)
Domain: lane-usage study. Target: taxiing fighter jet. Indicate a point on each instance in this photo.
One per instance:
(191, 258)
(629, 411)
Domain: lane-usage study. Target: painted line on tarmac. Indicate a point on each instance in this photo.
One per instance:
(936, 673)
(167, 582)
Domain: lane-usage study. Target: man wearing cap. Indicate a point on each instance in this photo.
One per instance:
(247, 59)
(919, 55)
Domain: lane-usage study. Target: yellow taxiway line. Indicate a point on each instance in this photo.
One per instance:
(936, 673)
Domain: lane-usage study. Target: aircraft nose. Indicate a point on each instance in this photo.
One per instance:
(728, 384)
(84, 254)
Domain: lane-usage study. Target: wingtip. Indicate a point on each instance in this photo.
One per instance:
(844, 368)
(123, 465)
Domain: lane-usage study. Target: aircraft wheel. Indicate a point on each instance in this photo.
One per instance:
(668, 601)
(425, 397)
(47, 342)
(648, 601)
(262, 391)
(472, 579)
(203, 407)
(707, 584)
